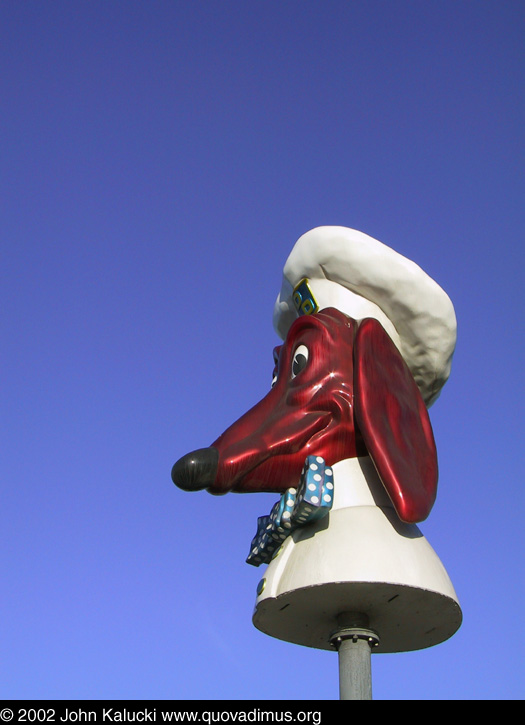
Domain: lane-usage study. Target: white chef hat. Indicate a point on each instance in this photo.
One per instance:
(362, 277)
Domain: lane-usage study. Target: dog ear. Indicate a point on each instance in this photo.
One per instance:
(394, 423)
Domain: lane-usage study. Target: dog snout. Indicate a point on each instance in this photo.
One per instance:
(197, 470)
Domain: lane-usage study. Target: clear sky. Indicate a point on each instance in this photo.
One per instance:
(158, 161)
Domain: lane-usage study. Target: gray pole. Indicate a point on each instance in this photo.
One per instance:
(354, 643)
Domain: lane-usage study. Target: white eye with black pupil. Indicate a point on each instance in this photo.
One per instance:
(299, 361)
(274, 380)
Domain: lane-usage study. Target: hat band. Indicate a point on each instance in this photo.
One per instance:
(303, 298)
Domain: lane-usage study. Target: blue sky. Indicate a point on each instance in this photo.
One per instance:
(159, 160)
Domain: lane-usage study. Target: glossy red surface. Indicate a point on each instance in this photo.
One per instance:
(311, 413)
(394, 422)
(354, 396)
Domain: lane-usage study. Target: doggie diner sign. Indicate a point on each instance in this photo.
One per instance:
(344, 437)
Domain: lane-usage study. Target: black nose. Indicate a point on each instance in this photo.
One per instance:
(196, 470)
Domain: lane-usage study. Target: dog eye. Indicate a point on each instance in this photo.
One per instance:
(300, 359)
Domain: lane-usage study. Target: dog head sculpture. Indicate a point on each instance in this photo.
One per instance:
(342, 389)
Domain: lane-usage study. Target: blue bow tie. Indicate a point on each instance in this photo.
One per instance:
(309, 502)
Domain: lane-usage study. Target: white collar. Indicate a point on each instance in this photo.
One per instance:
(356, 483)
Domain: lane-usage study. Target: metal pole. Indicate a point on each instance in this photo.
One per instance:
(354, 643)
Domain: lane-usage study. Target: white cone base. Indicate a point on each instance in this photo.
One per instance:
(358, 559)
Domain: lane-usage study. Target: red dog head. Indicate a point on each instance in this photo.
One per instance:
(341, 390)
